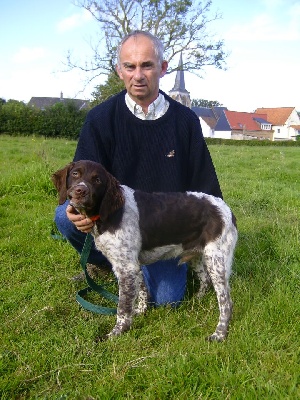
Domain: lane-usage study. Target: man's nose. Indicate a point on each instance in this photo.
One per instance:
(138, 73)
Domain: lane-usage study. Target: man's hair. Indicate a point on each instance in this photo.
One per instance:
(158, 46)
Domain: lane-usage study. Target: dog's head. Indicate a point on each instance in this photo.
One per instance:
(92, 191)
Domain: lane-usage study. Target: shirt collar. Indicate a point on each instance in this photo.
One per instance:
(155, 110)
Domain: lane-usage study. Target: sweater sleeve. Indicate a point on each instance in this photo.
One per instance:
(202, 174)
(94, 142)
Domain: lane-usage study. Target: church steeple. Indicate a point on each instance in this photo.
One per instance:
(179, 91)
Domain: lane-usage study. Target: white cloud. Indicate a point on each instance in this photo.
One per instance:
(29, 54)
(74, 21)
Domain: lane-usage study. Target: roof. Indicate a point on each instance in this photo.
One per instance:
(209, 115)
(203, 112)
(221, 119)
(211, 122)
(261, 120)
(234, 120)
(218, 111)
(222, 124)
(244, 120)
(277, 116)
(46, 102)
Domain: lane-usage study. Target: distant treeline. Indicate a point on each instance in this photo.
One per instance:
(60, 120)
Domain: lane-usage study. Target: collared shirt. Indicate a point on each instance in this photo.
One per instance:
(155, 110)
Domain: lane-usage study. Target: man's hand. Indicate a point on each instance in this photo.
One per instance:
(81, 222)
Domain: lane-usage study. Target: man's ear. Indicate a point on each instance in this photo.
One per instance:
(119, 72)
(164, 67)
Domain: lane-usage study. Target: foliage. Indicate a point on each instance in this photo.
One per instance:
(15, 116)
(182, 25)
(60, 120)
(47, 348)
(205, 103)
(63, 120)
(112, 86)
(251, 143)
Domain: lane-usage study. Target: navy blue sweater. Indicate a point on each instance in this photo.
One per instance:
(167, 155)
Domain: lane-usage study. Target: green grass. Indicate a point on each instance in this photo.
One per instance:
(47, 348)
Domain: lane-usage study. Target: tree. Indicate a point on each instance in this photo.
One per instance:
(205, 103)
(182, 25)
(112, 86)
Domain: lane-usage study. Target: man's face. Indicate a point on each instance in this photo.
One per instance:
(140, 69)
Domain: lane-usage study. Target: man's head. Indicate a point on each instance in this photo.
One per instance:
(141, 65)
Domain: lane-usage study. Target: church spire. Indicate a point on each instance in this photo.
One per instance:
(179, 91)
(179, 80)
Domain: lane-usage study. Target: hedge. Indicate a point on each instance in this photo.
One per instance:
(60, 120)
(231, 142)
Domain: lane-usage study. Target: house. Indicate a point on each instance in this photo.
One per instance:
(45, 102)
(219, 122)
(285, 122)
(208, 118)
(243, 126)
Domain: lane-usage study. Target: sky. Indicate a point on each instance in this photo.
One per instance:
(262, 38)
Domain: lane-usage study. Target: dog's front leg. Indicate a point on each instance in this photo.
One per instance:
(128, 280)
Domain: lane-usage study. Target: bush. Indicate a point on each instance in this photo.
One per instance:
(62, 120)
(232, 142)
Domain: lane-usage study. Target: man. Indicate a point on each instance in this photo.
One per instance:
(148, 141)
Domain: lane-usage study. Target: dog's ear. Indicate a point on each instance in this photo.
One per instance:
(59, 179)
(113, 199)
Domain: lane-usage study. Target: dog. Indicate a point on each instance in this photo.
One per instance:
(133, 228)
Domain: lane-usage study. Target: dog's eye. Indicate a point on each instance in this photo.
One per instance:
(75, 174)
(98, 180)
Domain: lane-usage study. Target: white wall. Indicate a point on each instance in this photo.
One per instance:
(222, 134)
(206, 130)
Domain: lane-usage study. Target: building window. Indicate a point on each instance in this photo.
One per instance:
(278, 130)
(266, 127)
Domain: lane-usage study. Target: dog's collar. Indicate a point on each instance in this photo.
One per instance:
(95, 218)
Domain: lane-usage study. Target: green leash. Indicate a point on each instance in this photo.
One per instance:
(92, 285)
(55, 234)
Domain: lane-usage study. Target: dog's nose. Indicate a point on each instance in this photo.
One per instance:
(79, 191)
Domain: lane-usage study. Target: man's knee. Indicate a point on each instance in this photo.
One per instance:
(61, 220)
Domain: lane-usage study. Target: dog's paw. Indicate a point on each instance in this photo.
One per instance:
(200, 293)
(216, 337)
(102, 338)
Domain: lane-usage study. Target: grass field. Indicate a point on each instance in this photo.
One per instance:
(47, 348)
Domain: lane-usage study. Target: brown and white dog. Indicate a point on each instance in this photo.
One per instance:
(133, 228)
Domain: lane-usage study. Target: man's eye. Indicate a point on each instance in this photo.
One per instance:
(129, 67)
(148, 66)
